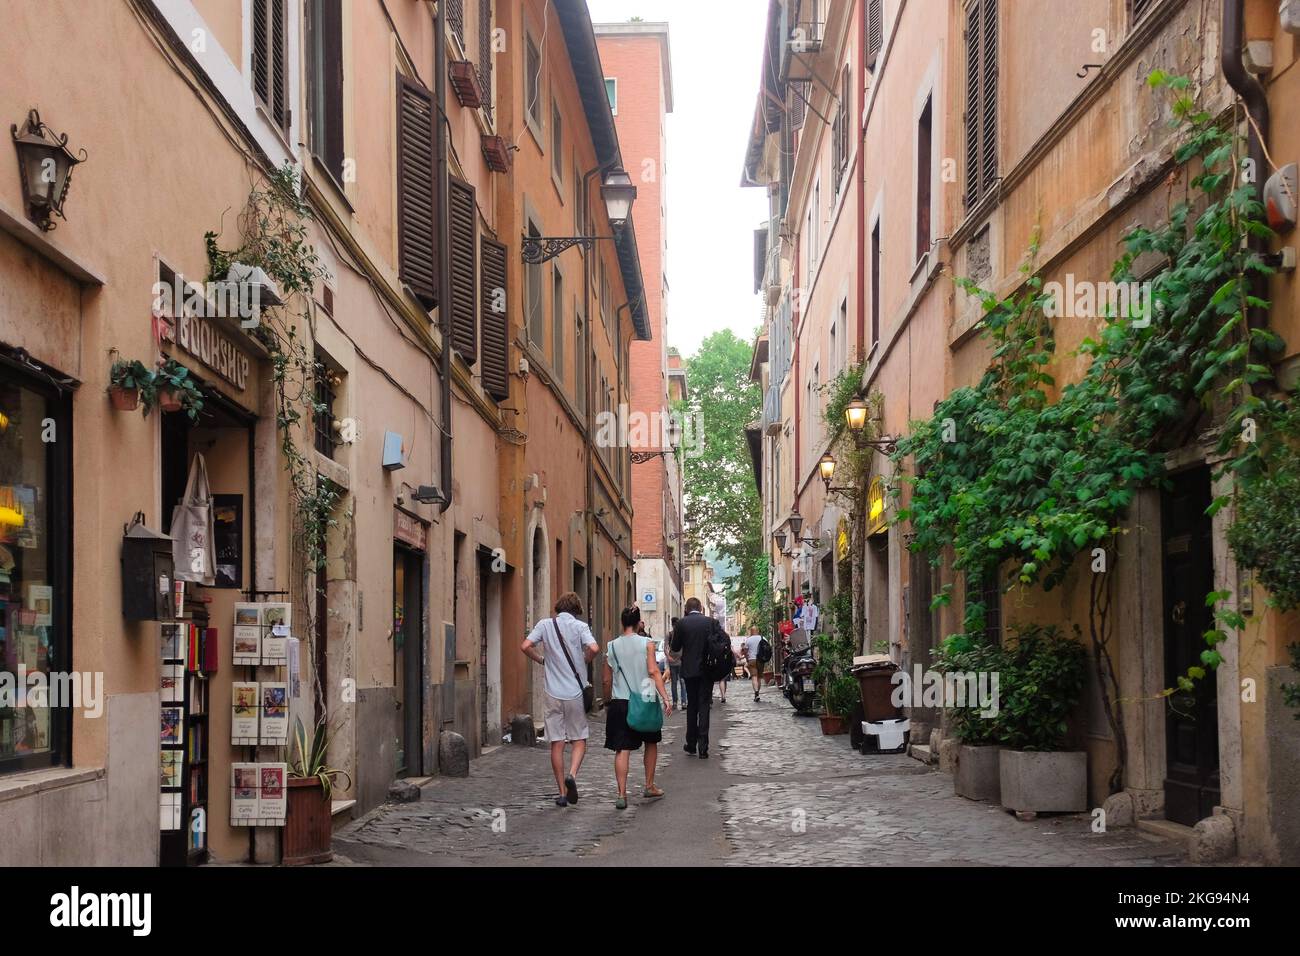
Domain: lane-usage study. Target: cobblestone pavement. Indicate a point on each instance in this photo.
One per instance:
(781, 794)
(811, 799)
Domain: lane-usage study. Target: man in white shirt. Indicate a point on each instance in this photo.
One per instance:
(565, 640)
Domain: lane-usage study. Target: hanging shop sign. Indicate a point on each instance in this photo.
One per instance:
(876, 520)
(409, 530)
(202, 339)
(842, 542)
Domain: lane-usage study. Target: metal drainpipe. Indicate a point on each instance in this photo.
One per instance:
(1255, 97)
(444, 249)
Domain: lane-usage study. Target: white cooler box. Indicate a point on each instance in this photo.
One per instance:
(889, 736)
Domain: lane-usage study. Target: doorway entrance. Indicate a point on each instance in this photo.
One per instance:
(408, 656)
(1192, 720)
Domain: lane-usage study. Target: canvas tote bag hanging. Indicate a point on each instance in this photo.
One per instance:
(192, 531)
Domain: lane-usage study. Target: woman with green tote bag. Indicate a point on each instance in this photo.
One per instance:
(634, 688)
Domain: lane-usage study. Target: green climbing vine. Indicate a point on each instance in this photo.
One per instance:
(1018, 475)
(852, 473)
(273, 230)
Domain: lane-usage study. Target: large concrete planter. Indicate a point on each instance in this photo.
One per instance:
(978, 775)
(1039, 782)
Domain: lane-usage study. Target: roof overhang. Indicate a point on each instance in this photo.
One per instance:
(580, 40)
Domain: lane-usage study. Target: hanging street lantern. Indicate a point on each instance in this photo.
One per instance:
(855, 415)
(45, 167)
(619, 193)
(826, 467)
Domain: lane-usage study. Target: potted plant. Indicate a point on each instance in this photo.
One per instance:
(838, 699)
(125, 381)
(1041, 684)
(967, 665)
(172, 389)
(840, 693)
(308, 818)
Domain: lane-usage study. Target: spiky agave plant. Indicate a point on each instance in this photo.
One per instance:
(309, 759)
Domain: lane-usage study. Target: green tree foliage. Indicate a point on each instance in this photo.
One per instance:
(722, 505)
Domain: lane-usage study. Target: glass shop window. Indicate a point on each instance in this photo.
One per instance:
(33, 579)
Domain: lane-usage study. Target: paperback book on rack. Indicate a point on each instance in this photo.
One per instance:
(243, 713)
(247, 638)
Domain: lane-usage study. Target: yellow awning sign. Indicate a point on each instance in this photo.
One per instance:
(876, 521)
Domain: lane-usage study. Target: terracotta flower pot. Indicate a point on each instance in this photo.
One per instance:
(169, 400)
(833, 725)
(307, 825)
(124, 399)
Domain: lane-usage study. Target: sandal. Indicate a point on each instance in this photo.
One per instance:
(620, 803)
(652, 793)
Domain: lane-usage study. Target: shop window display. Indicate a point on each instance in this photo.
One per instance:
(31, 598)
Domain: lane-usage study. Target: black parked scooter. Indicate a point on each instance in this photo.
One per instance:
(796, 678)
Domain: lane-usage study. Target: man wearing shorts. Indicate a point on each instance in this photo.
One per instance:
(567, 647)
(755, 666)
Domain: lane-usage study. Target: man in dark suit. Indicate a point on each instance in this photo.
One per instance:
(690, 639)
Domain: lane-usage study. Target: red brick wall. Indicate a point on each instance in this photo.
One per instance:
(636, 63)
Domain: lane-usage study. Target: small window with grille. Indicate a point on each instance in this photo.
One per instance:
(327, 384)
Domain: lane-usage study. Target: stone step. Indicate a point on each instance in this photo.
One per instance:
(921, 752)
(1177, 833)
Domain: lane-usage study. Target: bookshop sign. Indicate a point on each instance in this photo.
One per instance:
(409, 530)
(202, 339)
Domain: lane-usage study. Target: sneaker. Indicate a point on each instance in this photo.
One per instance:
(571, 789)
(704, 753)
(620, 803)
(561, 801)
(690, 749)
(756, 698)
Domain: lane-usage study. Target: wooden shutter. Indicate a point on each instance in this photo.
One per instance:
(456, 19)
(989, 99)
(971, 119)
(417, 229)
(485, 49)
(798, 105)
(981, 120)
(875, 31)
(270, 59)
(495, 369)
(464, 292)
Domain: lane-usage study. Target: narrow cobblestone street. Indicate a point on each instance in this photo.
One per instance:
(774, 792)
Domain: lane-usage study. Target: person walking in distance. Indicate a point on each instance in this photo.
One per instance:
(755, 657)
(565, 639)
(632, 671)
(690, 639)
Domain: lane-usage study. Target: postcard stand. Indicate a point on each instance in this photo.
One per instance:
(251, 744)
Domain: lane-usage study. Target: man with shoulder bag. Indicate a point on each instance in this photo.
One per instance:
(565, 639)
(701, 641)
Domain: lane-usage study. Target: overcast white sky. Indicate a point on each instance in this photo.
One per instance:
(716, 50)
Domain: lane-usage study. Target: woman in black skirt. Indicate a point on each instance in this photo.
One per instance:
(630, 668)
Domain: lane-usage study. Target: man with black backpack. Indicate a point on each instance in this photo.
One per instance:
(706, 657)
(757, 653)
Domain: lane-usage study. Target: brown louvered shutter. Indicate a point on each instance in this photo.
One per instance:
(989, 99)
(456, 19)
(417, 233)
(485, 50)
(464, 291)
(270, 59)
(875, 31)
(495, 368)
(981, 120)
